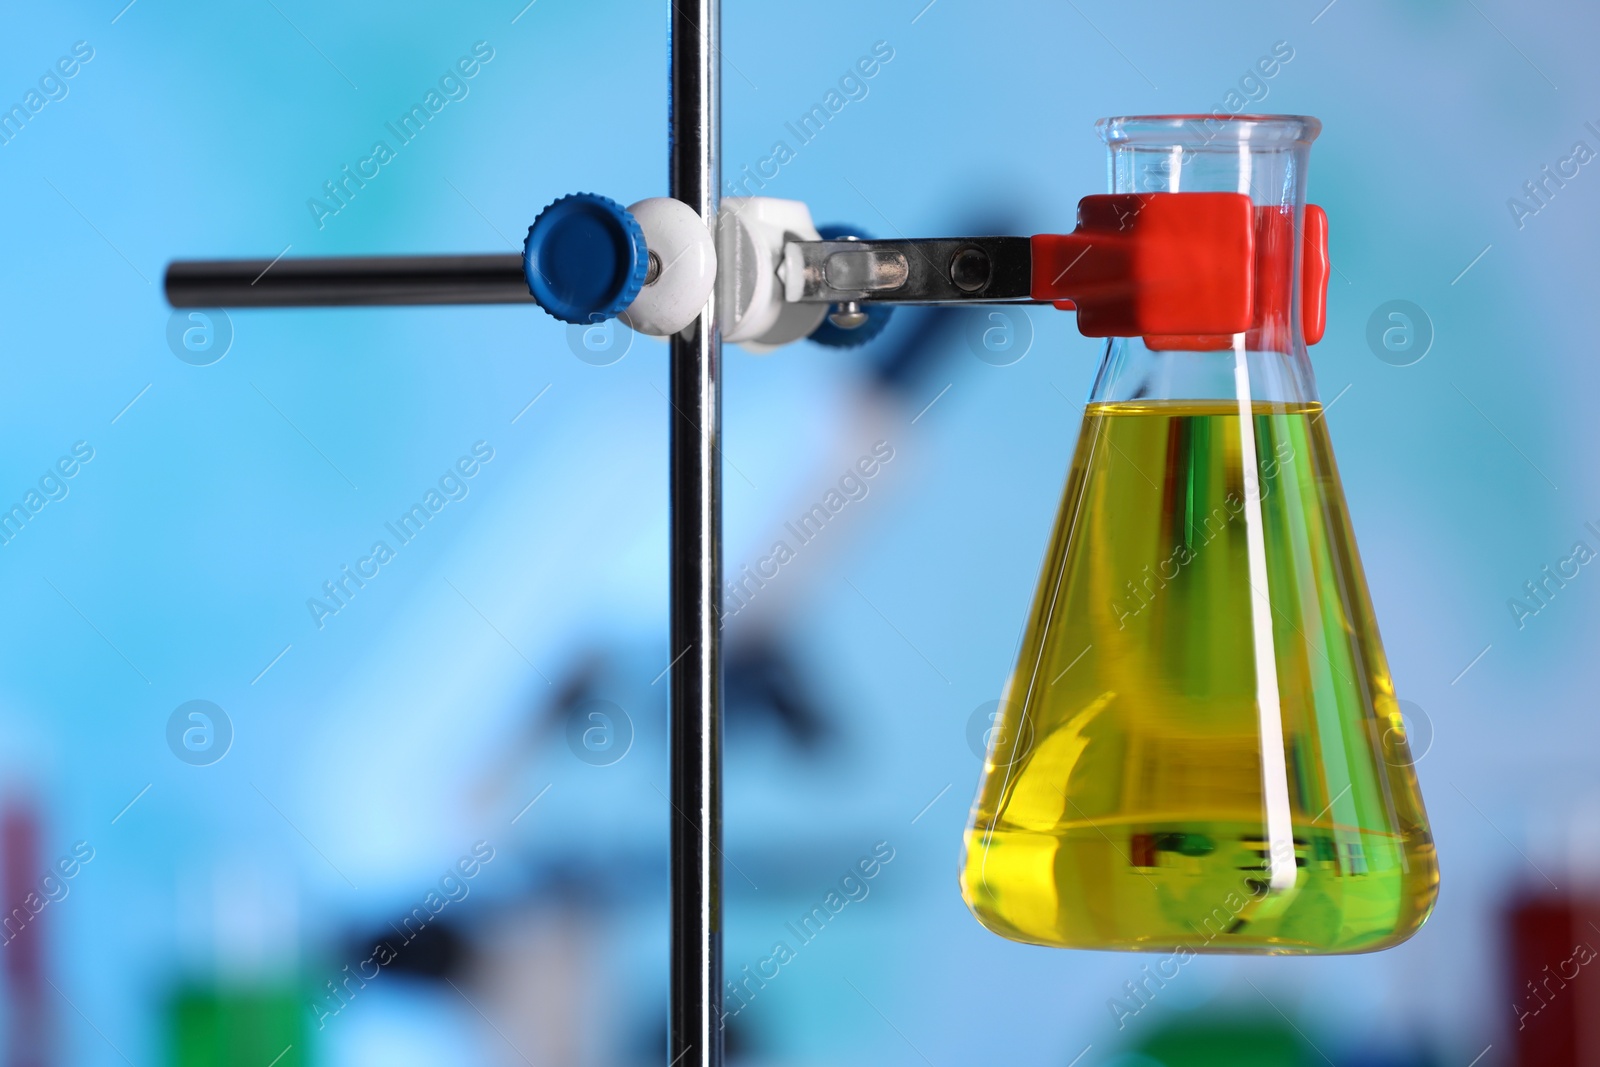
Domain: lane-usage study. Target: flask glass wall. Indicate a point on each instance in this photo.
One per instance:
(1200, 745)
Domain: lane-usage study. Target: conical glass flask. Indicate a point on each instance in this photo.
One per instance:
(1200, 747)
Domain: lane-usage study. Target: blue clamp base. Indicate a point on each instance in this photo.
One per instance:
(585, 258)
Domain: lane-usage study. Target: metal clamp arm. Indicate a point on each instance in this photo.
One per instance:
(936, 270)
(1182, 270)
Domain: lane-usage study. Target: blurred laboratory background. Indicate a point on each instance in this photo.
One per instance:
(332, 698)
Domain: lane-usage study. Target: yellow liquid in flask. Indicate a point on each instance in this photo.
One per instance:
(1200, 747)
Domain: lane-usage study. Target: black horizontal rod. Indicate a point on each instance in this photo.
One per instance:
(347, 281)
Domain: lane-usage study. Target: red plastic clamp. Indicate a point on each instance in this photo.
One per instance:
(1180, 269)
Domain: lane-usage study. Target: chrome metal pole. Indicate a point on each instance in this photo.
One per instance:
(348, 281)
(694, 174)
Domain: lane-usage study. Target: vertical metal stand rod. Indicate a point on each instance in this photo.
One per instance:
(695, 1015)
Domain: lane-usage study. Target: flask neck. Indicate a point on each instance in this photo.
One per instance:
(1263, 157)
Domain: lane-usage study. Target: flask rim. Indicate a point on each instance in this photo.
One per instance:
(1209, 130)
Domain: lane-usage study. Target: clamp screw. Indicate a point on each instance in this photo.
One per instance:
(970, 270)
(848, 315)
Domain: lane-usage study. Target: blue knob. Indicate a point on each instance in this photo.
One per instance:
(832, 336)
(585, 258)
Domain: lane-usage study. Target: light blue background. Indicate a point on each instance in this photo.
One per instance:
(377, 749)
